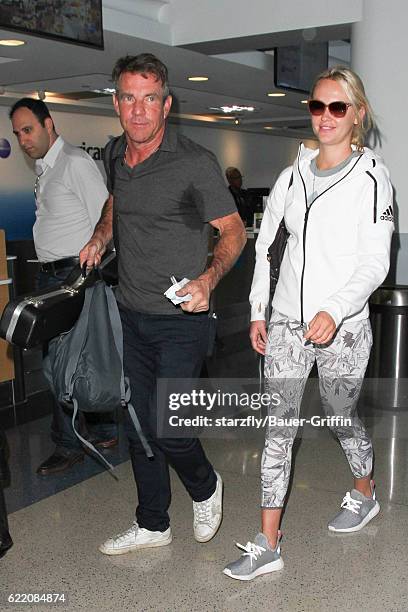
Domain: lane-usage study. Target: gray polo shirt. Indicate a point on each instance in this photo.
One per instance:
(163, 207)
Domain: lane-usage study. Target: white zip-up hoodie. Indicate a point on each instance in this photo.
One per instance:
(338, 251)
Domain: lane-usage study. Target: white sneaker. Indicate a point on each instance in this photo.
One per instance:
(135, 538)
(208, 514)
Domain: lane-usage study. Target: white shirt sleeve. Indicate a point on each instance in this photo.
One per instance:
(88, 185)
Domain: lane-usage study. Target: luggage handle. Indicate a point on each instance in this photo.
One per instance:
(110, 256)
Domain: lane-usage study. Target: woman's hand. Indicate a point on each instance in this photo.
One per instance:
(258, 335)
(321, 328)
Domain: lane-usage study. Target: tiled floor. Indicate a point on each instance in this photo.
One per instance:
(57, 538)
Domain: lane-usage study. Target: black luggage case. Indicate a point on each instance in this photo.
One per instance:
(33, 320)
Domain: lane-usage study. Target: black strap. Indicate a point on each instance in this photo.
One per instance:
(124, 381)
(110, 150)
(112, 160)
(76, 349)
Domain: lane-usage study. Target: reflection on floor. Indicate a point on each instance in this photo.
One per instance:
(29, 445)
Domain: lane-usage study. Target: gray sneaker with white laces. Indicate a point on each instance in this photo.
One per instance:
(208, 514)
(257, 559)
(357, 510)
(135, 538)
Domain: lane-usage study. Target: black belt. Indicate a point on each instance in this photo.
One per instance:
(54, 266)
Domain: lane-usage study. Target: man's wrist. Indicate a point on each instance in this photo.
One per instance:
(209, 278)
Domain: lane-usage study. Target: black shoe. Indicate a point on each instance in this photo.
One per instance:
(59, 462)
(5, 543)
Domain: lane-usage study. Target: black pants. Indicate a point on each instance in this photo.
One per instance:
(161, 346)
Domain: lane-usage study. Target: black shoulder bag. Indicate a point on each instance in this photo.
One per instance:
(276, 252)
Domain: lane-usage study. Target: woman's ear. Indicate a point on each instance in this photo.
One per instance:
(361, 114)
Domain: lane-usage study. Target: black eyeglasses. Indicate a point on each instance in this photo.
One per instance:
(337, 109)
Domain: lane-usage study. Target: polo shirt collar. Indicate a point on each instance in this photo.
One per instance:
(169, 142)
(48, 161)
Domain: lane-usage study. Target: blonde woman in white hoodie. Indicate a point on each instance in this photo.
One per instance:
(337, 204)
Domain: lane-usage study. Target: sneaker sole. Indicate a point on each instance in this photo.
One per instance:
(134, 548)
(273, 566)
(218, 525)
(373, 512)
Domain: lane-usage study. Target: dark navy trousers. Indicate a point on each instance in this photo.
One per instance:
(163, 346)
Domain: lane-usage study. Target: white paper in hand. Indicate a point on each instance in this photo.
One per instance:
(171, 292)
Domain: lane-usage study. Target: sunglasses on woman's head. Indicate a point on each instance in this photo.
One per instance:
(337, 109)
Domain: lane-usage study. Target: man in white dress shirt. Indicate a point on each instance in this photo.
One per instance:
(69, 193)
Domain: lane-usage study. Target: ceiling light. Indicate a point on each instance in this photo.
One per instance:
(268, 127)
(276, 94)
(105, 90)
(11, 42)
(198, 78)
(236, 121)
(233, 109)
(304, 101)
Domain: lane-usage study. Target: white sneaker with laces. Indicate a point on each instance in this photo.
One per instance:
(135, 538)
(208, 514)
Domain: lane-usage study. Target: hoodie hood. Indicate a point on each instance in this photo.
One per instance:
(368, 159)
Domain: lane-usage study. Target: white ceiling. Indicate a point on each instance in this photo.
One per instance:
(61, 68)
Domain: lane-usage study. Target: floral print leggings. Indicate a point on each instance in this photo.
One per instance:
(341, 365)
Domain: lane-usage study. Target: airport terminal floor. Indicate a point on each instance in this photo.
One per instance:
(57, 522)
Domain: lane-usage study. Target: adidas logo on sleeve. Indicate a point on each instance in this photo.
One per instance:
(388, 214)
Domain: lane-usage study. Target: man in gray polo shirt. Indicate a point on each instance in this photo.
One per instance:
(165, 193)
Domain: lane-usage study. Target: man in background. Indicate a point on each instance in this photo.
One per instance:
(241, 196)
(69, 194)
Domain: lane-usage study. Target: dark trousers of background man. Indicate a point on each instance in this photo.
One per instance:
(163, 346)
(93, 426)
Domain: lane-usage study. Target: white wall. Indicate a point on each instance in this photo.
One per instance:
(259, 157)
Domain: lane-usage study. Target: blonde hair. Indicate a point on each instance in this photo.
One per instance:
(354, 88)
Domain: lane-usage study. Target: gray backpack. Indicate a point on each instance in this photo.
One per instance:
(85, 365)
